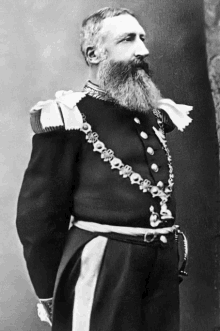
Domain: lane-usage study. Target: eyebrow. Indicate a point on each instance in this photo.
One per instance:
(131, 34)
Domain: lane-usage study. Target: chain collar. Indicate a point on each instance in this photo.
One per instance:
(126, 171)
(163, 141)
(96, 92)
(107, 155)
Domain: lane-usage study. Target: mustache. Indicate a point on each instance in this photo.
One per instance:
(141, 63)
(131, 68)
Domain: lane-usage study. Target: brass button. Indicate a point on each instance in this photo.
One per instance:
(137, 120)
(143, 135)
(154, 167)
(150, 151)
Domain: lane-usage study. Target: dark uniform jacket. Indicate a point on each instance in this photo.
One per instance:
(66, 177)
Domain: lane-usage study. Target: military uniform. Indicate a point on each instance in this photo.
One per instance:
(100, 164)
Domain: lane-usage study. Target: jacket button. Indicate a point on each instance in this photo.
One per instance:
(160, 184)
(137, 120)
(143, 135)
(154, 167)
(150, 151)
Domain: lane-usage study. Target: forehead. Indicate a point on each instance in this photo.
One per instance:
(113, 27)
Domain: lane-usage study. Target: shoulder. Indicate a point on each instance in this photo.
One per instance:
(175, 114)
(57, 114)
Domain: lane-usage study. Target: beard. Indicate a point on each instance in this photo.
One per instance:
(129, 84)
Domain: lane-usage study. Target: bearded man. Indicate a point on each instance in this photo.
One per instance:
(101, 156)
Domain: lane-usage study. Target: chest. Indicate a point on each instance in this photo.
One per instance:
(134, 138)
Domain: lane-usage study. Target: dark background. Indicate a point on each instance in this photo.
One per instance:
(39, 54)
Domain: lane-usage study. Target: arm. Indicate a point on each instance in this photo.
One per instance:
(45, 204)
(174, 115)
(167, 122)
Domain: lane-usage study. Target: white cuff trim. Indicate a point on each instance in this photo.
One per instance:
(42, 300)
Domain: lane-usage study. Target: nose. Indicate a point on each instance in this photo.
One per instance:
(141, 50)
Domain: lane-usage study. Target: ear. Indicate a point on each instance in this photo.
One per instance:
(92, 55)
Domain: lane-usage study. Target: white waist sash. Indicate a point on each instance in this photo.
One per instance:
(131, 231)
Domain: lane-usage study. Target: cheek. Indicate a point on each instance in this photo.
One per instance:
(101, 52)
(103, 55)
(121, 54)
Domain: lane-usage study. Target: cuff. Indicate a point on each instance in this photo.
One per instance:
(45, 310)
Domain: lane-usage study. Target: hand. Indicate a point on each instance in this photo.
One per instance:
(45, 310)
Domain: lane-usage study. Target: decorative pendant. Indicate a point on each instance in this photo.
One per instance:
(165, 212)
(154, 218)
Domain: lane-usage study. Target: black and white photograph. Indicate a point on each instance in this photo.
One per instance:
(110, 135)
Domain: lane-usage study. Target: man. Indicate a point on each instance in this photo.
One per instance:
(101, 156)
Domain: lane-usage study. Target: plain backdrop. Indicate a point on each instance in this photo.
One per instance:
(39, 54)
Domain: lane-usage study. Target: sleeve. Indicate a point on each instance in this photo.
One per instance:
(167, 122)
(174, 115)
(45, 205)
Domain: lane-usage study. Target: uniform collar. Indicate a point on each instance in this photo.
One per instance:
(96, 92)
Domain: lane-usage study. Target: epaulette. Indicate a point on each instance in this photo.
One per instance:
(61, 113)
(178, 113)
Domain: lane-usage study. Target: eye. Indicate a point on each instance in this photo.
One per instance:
(143, 38)
(129, 38)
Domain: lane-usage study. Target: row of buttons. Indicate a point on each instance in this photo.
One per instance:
(150, 150)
